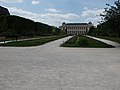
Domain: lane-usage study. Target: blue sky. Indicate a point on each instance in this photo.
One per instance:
(54, 12)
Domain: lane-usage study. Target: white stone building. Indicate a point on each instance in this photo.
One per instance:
(76, 28)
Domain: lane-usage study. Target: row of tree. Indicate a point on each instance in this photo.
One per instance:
(15, 26)
(110, 26)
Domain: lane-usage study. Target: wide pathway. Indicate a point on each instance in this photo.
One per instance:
(115, 44)
(50, 67)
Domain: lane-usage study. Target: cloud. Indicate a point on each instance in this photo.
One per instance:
(95, 20)
(35, 2)
(93, 12)
(85, 8)
(52, 10)
(12, 1)
(92, 15)
(48, 18)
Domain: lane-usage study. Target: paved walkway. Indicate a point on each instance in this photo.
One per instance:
(115, 44)
(50, 67)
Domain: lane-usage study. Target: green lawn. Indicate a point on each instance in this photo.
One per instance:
(34, 42)
(82, 41)
(5, 39)
(111, 38)
(20, 38)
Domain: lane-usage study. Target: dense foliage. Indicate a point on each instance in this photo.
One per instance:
(15, 26)
(4, 11)
(110, 26)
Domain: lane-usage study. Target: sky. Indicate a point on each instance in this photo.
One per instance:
(55, 12)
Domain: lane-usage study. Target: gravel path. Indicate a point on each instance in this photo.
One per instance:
(115, 44)
(50, 67)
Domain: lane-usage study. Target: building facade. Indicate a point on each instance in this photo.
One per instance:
(76, 28)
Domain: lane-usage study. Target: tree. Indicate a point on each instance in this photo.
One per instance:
(112, 17)
(91, 31)
(3, 23)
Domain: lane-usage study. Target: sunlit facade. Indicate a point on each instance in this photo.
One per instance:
(76, 28)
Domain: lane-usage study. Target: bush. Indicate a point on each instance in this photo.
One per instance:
(83, 42)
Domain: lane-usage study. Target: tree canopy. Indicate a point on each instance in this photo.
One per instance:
(111, 18)
(15, 26)
(110, 25)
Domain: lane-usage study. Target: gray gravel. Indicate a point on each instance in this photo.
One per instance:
(109, 42)
(50, 67)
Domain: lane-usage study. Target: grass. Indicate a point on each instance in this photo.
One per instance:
(2, 39)
(5, 39)
(115, 39)
(34, 42)
(82, 41)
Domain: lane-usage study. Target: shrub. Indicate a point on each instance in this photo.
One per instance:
(83, 42)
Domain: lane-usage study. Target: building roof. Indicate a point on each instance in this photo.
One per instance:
(77, 24)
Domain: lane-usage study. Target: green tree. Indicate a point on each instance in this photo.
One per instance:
(3, 23)
(91, 31)
(111, 17)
